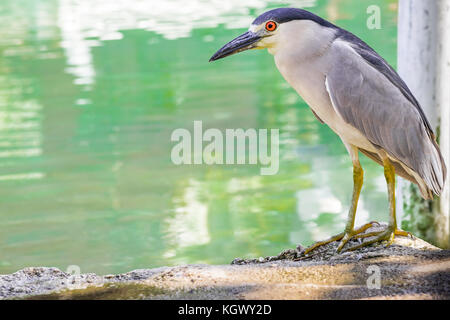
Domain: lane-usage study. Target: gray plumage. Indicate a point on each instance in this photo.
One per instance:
(362, 89)
(359, 96)
(387, 114)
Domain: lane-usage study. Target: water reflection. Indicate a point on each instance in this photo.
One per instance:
(90, 92)
(172, 19)
(189, 226)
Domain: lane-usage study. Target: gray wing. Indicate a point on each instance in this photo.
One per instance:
(366, 99)
(376, 61)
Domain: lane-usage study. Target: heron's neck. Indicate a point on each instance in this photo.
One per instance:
(304, 61)
(300, 41)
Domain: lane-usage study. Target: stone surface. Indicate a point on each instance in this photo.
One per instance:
(408, 269)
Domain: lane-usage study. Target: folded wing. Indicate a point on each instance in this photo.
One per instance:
(368, 98)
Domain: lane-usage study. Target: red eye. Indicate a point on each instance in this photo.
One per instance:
(271, 26)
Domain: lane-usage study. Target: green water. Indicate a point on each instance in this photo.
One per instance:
(90, 92)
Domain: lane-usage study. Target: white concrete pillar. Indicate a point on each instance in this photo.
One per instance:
(442, 220)
(424, 64)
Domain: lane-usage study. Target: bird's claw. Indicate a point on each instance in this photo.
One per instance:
(385, 235)
(355, 233)
(360, 233)
(343, 237)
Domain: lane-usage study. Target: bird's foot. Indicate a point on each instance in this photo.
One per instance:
(385, 235)
(357, 233)
(343, 237)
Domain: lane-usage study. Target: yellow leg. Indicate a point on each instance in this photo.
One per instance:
(344, 237)
(391, 231)
(358, 180)
(389, 174)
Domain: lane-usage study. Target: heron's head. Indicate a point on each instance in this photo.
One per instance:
(274, 29)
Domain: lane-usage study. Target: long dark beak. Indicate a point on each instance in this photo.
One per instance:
(243, 42)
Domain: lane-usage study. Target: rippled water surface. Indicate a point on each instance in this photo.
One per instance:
(90, 92)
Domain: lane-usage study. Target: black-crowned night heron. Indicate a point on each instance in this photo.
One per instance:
(359, 96)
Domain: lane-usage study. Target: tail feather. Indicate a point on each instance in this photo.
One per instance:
(430, 176)
(434, 170)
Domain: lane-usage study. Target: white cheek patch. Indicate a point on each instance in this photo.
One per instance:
(255, 28)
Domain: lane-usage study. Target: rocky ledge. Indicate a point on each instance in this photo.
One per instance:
(408, 269)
